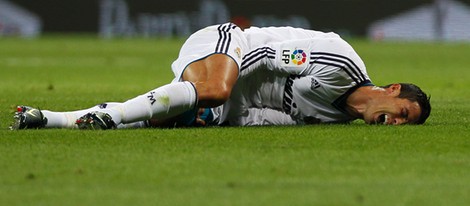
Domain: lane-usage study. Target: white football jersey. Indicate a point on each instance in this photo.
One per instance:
(293, 76)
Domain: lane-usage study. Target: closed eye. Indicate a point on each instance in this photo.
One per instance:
(404, 113)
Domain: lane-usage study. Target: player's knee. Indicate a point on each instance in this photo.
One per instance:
(214, 96)
(222, 95)
(219, 95)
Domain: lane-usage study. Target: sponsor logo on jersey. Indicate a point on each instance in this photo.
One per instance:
(295, 57)
(314, 84)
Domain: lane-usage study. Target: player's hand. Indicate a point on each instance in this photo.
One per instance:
(199, 121)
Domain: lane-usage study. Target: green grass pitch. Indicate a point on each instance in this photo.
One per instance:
(354, 164)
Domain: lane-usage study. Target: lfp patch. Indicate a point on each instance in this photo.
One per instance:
(296, 57)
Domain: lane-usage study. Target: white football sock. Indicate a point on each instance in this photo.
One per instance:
(68, 119)
(162, 103)
(59, 119)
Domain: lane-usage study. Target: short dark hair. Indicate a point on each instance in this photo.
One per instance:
(415, 94)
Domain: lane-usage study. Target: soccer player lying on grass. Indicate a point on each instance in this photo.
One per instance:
(273, 75)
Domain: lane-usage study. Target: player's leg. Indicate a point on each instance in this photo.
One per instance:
(163, 102)
(213, 78)
(205, 71)
(68, 119)
(207, 83)
(28, 117)
(31, 118)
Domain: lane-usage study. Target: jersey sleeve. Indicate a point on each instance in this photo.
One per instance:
(286, 57)
(292, 57)
(301, 56)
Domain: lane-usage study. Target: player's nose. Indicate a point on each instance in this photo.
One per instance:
(398, 121)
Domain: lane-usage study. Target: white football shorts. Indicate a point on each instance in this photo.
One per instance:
(218, 39)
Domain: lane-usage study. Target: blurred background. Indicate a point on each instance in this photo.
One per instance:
(429, 20)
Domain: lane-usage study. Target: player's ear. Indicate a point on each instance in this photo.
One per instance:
(394, 90)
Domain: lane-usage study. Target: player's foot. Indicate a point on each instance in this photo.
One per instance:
(95, 120)
(28, 118)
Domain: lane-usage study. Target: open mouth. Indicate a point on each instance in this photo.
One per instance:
(382, 119)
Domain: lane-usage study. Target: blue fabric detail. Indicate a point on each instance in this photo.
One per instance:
(207, 115)
(188, 118)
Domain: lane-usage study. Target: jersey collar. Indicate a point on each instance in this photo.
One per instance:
(340, 102)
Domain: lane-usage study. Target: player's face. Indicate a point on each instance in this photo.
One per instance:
(392, 110)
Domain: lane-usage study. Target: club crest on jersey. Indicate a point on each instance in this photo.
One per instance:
(238, 51)
(296, 57)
